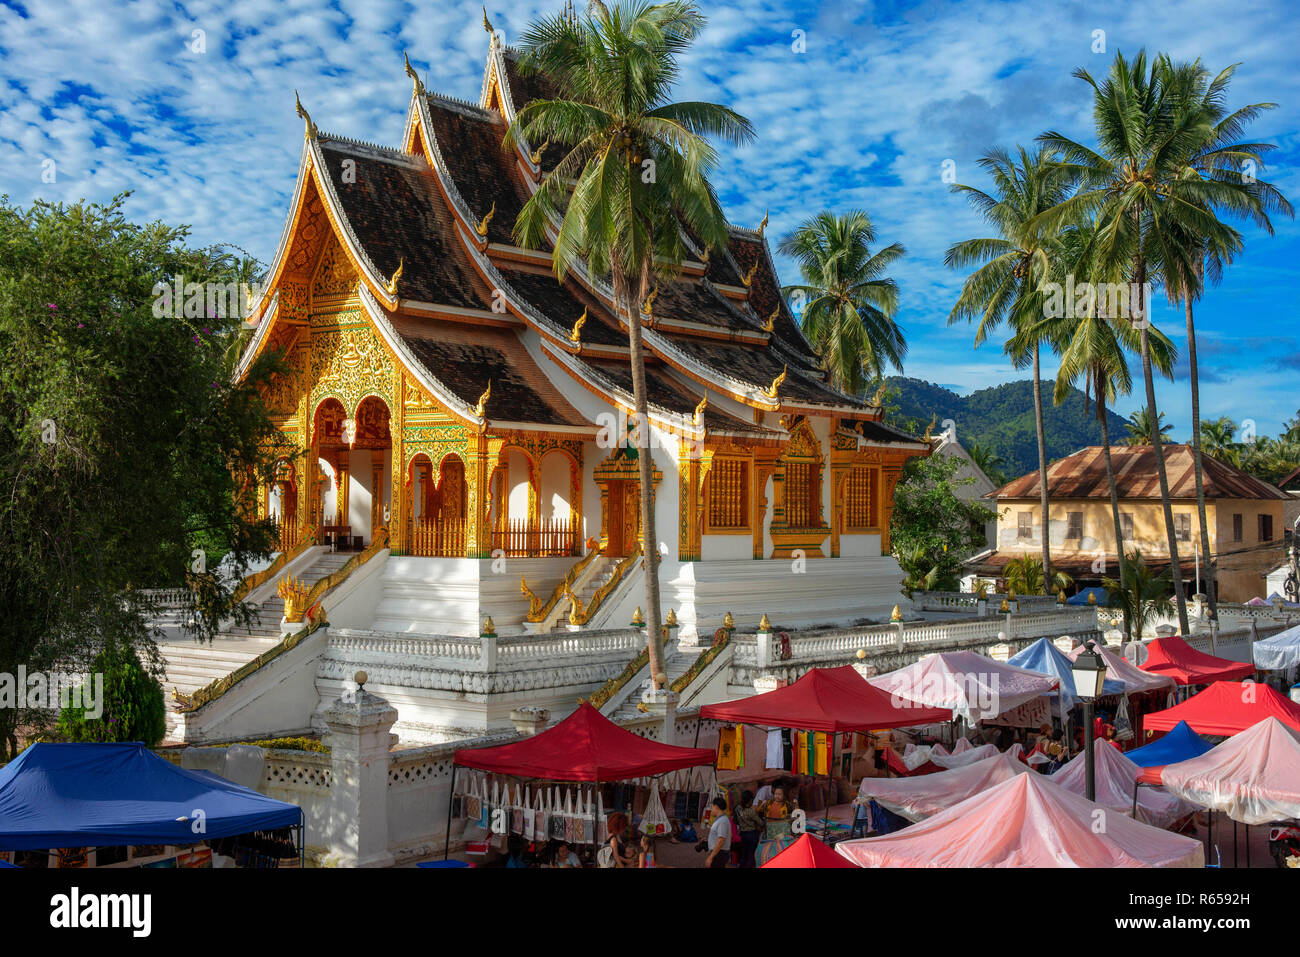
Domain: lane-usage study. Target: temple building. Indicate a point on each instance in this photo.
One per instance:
(442, 386)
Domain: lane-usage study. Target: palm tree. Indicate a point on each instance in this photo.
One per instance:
(1146, 209)
(849, 301)
(1140, 594)
(636, 167)
(1025, 576)
(1094, 349)
(1141, 431)
(1220, 162)
(1012, 268)
(988, 462)
(1217, 440)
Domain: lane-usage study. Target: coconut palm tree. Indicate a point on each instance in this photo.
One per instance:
(849, 301)
(636, 166)
(1228, 166)
(1217, 440)
(1146, 209)
(1142, 595)
(1141, 431)
(988, 462)
(1013, 265)
(1025, 576)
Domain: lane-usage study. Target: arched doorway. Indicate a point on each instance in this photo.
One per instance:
(282, 504)
(369, 468)
(440, 507)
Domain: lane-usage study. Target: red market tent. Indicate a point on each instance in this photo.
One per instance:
(826, 699)
(1254, 777)
(1187, 666)
(585, 746)
(1227, 707)
(808, 852)
(1026, 821)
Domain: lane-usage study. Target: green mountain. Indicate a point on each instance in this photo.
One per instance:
(1001, 419)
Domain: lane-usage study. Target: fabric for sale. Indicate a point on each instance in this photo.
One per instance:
(87, 795)
(1119, 668)
(1114, 778)
(1179, 744)
(1187, 666)
(1227, 707)
(775, 755)
(965, 684)
(826, 699)
(731, 749)
(1253, 777)
(1046, 659)
(1026, 821)
(917, 798)
(585, 746)
(822, 752)
(1279, 652)
(808, 852)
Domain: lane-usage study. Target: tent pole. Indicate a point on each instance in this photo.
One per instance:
(451, 797)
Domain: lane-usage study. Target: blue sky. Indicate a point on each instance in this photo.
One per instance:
(125, 96)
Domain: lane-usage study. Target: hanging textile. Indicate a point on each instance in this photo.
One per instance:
(1123, 724)
(787, 750)
(822, 753)
(775, 751)
(654, 823)
(810, 745)
(731, 748)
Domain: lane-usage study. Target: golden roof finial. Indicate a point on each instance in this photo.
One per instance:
(706, 254)
(487, 25)
(896, 615)
(482, 225)
(481, 408)
(765, 623)
(638, 618)
(699, 409)
(930, 428)
(648, 305)
(576, 335)
(763, 225)
(536, 155)
(770, 324)
(671, 620)
(310, 133)
(391, 285)
(749, 276)
(410, 71)
(1060, 596)
(770, 391)
(879, 397)
(488, 627)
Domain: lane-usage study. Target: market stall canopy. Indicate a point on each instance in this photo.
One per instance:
(94, 795)
(1026, 821)
(1100, 594)
(1115, 775)
(4, 864)
(1179, 744)
(1187, 666)
(1119, 668)
(1227, 707)
(966, 684)
(585, 746)
(826, 699)
(918, 798)
(808, 852)
(1253, 777)
(1046, 659)
(1279, 652)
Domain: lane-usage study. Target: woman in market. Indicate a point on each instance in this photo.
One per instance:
(624, 854)
(751, 825)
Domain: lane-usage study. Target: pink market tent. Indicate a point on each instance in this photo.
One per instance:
(971, 686)
(1115, 776)
(921, 797)
(1134, 678)
(1026, 821)
(808, 852)
(1253, 777)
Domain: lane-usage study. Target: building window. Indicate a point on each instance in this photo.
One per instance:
(858, 502)
(1266, 528)
(1126, 525)
(1024, 525)
(1237, 527)
(1074, 526)
(729, 494)
(1183, 527)
(802, 504)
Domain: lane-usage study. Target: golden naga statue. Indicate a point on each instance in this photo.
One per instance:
(391, 285)
(699, 409)
(576, 335)
(930, 428)
(770, 391)
(487, 24)
(311, 131)
(879, 398)
(749, 276)
(536, 155)
(648, 306)
(410, 71)
(763, 225)
(482, 226)
(294, 593)
(770, 324)
(534, 602)
(577, 613)
(481, 408)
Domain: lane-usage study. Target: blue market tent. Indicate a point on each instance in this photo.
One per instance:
(93, 795)
(1180, 744)
(1045, 658)
(1103, 598)
(4, 864)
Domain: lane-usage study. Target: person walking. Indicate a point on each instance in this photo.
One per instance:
(719, 835)
(751, 825)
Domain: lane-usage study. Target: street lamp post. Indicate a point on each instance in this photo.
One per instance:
(1089, 672)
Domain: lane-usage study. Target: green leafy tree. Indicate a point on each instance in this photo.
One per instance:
(848, 300)
(1142, 595)
(1217, 440)
(933, 528)
(1024, 576)
(126, 451)
(133, 708)
(1142, 432)
(988, 462)
(636, 166)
